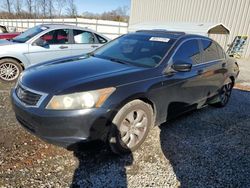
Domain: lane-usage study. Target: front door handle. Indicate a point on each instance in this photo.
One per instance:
(63, 47)
(224, 65)
(94, 46)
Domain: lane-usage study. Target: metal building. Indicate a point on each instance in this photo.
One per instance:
(235, 14)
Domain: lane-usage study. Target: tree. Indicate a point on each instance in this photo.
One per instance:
(50, 8)
(43, 7)
(7, 6)
(59, 6)
(29, 4)
(71, 9)
(18, 6)
(119, 14)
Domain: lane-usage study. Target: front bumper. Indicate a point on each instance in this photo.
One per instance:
(63, 128)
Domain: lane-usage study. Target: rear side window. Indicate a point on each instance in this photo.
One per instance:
(189, 52)
(100, 39)
(83, 37)
(210, 51)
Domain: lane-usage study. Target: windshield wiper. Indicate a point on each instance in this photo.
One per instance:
(117, 60)
(109, 58)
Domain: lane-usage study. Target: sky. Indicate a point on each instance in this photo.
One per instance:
(99, 6)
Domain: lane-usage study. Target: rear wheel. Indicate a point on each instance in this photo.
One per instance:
(10, 69)
(130, 127)
(224, 95)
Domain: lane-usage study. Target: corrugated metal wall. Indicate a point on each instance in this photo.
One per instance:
(235, 14)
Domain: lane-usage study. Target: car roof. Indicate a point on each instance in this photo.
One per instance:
(55, 26)
(171, 34)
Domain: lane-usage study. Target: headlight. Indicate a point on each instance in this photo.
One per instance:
(82, 100)
(19, 79)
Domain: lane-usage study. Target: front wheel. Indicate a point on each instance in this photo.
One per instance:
(224, 95)
(10, 69)
(130, 127)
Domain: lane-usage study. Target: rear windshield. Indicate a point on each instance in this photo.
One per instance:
(137, 49)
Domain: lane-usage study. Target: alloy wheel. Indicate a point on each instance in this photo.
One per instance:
(9, 71)
(225, 93)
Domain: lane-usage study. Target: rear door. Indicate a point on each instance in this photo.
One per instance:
(213, 66)
(57, 46)
(84, 42)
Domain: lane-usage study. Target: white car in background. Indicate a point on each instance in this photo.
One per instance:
(43, 43)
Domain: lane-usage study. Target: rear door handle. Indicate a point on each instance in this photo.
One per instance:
(199, 72)
(94, 46)
(63, 47)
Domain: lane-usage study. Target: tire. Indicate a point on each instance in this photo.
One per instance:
(130, 127)
(10, 70)
(224, 95)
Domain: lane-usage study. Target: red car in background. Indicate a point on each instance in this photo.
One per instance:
(4, 34)
(8, 36)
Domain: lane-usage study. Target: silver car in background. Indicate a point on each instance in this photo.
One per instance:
(43, 43)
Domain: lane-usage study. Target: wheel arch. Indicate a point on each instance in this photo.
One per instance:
(232, 79)
(18, 60)
(138, 96)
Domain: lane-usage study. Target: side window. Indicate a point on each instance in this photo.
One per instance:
(83, 37)
(189, 52)
(210, 50)
(100, 39)
(60, 36)
(221, 52)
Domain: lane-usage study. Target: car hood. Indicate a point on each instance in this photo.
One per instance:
(56, 76)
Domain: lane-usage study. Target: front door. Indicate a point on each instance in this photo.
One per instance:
(182, 90)
(56, 44)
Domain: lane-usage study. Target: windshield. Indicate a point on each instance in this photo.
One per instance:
(137, 49)
(24, 37)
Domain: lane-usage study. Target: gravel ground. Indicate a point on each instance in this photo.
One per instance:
(206, 148)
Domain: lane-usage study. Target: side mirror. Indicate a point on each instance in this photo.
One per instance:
(181, 66)
(41, 42)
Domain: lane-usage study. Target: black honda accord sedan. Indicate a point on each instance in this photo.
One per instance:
(118, 92)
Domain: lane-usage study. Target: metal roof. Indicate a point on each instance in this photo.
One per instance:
(190, 28)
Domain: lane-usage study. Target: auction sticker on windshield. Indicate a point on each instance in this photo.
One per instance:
(159, 39)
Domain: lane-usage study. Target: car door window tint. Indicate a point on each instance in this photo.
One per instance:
(60, 36)
(210, 51)
(100, 39)
(83, 37)
(189, 52)
(221, 52)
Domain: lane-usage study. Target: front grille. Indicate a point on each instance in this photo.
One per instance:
(27, 97)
